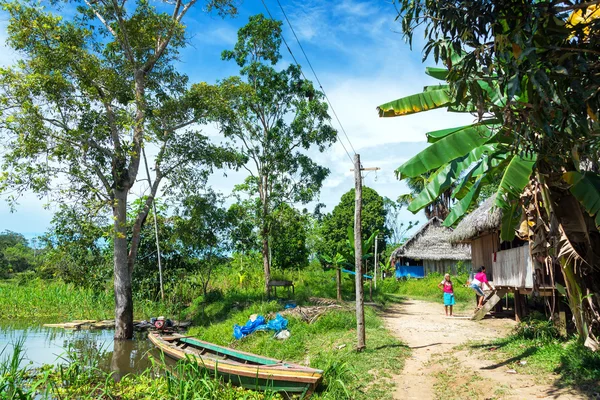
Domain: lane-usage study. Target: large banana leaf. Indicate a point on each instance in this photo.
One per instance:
(443, 177)
(437, 73)
(462, 206)
(415, 103)
(586, 188)
(450, 147)
(490, 164)
(515, 178)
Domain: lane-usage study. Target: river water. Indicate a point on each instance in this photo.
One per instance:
(55, 346)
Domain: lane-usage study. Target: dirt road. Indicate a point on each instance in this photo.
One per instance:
(436, 370)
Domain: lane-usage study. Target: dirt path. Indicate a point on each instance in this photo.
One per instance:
(437, 370)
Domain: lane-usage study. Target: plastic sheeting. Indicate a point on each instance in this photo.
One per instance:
(259, 324)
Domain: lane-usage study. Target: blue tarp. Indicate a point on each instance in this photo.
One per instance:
(347, 271)
(259, 324)
(410, 271)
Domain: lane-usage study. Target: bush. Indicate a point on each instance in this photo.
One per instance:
(535, 329)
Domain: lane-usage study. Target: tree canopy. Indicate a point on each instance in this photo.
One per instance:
(91, 90)
(276, 116)
(336, 224)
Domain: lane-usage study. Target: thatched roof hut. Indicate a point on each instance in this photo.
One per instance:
(486, 218)
(431, 242)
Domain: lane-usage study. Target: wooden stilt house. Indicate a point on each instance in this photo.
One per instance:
(509, 265)
(429, 250)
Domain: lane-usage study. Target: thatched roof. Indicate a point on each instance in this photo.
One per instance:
(431, 242)
(485, 218)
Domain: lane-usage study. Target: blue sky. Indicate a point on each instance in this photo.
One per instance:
(361, 61)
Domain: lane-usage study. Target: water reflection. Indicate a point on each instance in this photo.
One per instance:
(56, 346)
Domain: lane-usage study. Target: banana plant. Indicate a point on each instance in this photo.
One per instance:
(465, 158)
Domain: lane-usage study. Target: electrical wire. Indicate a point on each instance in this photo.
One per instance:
(315, 74)
(302, 72)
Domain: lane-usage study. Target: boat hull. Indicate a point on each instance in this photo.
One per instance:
(255, 372)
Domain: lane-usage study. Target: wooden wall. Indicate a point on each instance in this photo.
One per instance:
(482, 252)
(513, 268)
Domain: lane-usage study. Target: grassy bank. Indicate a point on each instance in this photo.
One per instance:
(42, 300)
(536, 348)
(327, 344)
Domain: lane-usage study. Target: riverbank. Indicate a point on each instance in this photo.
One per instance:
(327, 343)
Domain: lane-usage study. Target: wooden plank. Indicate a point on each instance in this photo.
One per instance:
(490, 301)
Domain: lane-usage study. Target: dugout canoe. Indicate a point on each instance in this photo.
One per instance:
(248, 370)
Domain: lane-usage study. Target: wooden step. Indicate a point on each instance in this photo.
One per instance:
(491, 299)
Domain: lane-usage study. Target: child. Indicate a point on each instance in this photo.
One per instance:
(448, 289)
(476, 284)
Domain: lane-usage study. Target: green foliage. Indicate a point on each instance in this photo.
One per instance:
(93, 87)
(336, 224)
(288, 238)
(536, 329)
(56, 301)
(15, 254)
(274, 117)
(76, 249)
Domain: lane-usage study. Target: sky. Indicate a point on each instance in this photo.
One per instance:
(361, 61)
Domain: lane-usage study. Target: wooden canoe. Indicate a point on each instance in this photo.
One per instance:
(248, 370)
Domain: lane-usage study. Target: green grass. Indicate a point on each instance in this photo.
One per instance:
(535, 348)
(427, 289)
(80, 378)
(55, 301)
(327, 344)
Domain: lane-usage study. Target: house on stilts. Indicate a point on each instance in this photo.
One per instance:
(429, 250)
(509, 265)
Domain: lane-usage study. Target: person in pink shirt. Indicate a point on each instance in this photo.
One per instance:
(477, 285)
(448, 289)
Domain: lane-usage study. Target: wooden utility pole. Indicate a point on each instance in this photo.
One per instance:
(360, 298)
(375, 272)
(360, 306)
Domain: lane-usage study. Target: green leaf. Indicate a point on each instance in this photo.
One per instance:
(415, 103)
(510, 220)
(437, 73)
(560, 289)
(462, 206)
(452, 146)
(515, 178)
(586, 188)
(443, 177)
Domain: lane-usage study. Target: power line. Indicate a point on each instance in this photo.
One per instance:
(302, 72)
(315, 74)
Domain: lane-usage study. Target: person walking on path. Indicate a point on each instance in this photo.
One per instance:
(477, 283)
(448, 289)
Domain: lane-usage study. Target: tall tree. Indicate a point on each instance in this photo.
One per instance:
(336, 224)
(276, 116)
(92, 89)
